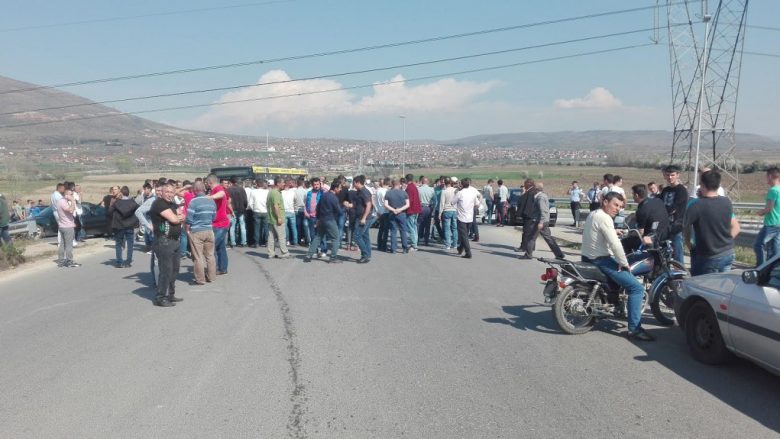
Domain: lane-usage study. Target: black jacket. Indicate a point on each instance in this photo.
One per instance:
(238, 199)
(525, 206)
(122, 214)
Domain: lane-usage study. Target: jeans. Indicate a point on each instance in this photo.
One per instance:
(398, 223)
(500, 213)
(220, 249)
(341, 222)
(628, 282)
(424, 225)
(326, 228)
(5, 236)
(768, 240)
(384, 230)
(303, 227)
(292, 227)
(474, 228)
(261, 228)
(677, 246)
(450, 225)
(239, 221)
(184, 243)
(575, 211)
(718, 264)
(463, 238)
(312, 225)
(148, 238)
(489, 214)
(167, 252)
(362, 238)
(411, 229)
(124, 237)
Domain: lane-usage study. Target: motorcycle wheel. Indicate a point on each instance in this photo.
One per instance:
(662, 305)
(569, 310)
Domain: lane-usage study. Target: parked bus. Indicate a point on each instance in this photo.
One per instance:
(256, 172)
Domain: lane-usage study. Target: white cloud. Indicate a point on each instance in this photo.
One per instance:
(308, 107)
(598, 98)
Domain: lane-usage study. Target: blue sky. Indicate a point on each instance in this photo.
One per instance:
(620, 90)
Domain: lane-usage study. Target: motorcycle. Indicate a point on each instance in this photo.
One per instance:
(582, 294)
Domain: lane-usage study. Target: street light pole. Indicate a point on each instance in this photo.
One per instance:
(403, 155)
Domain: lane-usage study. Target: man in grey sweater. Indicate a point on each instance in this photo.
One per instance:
(541, 225)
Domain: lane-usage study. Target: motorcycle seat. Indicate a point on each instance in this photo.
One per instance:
(590, 271)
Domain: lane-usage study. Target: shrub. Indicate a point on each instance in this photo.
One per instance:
(10, 256)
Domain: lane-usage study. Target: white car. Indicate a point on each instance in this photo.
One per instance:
(733, 313)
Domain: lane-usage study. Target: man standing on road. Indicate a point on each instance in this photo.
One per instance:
(712, 220)
(290, 223)
(675, 198)
(575, 198)
(541, 225)
(124, 222)
(66, 207)
(221, 222)
(313, 197)
(413, 212)
(200, 217)
(488, 195)
(383, 214)
(326, 225)
(593, 196)
(257, 199)
(465, 201)
(299, 203)
(397, 202)
(768, 239)
(108, 200)
(166, 219)
(239, 203)
(525, 211)
(364, 216)
(601, 247)
(448, 215)
(502, 200)
(276, 220)
(424, 222)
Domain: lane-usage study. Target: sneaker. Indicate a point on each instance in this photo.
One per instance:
(524, 257)
(414, 249)
(466, 256)
(639, 334)
(307, 258)
(284, 256)
(119, 265)
(127, 264)
(149, 252)
(73, 264)
(319, 254)
(517, 249)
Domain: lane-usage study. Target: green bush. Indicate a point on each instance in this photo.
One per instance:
(10, 256)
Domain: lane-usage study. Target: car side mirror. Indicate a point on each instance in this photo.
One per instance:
(750, 277)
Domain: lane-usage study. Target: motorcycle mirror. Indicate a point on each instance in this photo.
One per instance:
(750, 277)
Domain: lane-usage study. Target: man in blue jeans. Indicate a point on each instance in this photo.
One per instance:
(396, 203)
(675, 198)
(364, 216)
(325, 222)
(767, 243)
(601, 247)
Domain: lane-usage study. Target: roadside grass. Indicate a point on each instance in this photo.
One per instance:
(11, 256)
(745, 255)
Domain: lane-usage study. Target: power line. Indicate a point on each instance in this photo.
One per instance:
(134, 17)
(334, 52)
(335, 75)
(265, 98)
(771, 55)
(756, 26)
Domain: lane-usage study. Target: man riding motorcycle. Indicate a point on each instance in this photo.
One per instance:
(601, 247)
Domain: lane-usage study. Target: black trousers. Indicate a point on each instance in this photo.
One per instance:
(168, 259)
(528, 230)
(575, 211)
(463, 237)
(547, 236)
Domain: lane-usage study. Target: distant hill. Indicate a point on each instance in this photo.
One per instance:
(600, 140)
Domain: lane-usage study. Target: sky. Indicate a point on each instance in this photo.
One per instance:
(48, 43)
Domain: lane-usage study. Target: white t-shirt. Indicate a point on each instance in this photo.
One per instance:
(465, 201)
(257, 200)
(288, 197)
(721, 192)
(379, 200)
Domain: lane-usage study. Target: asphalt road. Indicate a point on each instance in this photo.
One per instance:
(424, 345)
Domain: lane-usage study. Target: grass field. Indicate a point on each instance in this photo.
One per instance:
(556, 180)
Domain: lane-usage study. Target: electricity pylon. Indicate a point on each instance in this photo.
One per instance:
(705, 47)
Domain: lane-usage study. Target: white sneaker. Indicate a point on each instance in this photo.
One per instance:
(75, 244)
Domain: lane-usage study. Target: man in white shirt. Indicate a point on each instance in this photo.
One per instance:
(288, 197)
(382, 214)
(601, 247)
(464, 201)
(257, 202)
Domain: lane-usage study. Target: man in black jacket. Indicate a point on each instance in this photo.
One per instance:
(525, 212)
(239, 202)
(123, 223)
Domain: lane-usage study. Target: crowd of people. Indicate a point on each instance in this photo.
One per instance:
(201, 219)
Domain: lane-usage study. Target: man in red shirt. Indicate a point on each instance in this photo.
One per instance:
(414, 210)
(221, 221)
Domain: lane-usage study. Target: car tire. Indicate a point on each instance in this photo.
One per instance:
(702, 332)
